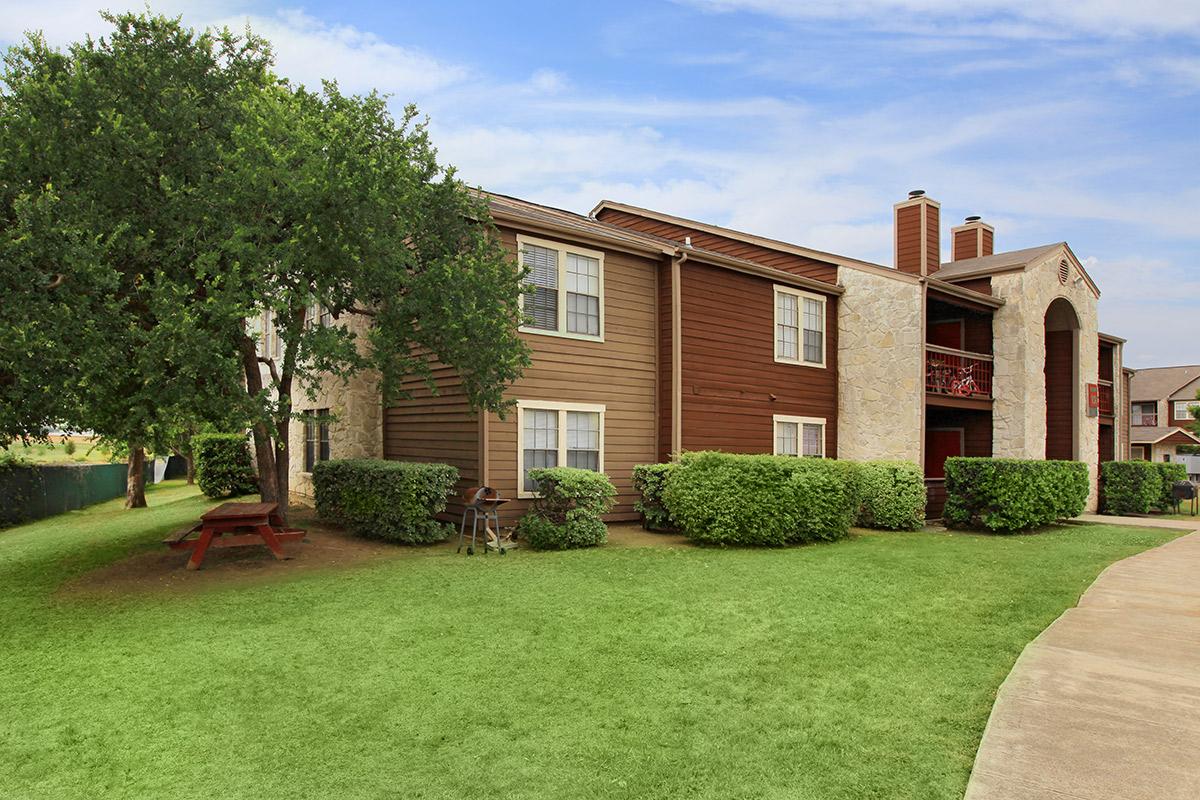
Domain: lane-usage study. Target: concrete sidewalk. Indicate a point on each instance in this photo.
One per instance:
(1105, 703)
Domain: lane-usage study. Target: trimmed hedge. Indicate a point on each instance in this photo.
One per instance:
(892, 495)
(223, 464)
(1168, 475)
(1130, 487)
(1007, 495)
(568, 508)
(396, 501)
(730, 499)
(650, 481)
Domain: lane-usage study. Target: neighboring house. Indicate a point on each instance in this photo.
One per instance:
(652, 334)
(1160, 417)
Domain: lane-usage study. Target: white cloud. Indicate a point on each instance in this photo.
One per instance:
(1150, 302)
(308, 50)
(1018, 19)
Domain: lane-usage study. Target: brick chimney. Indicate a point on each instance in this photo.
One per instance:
(973, 239)
(918, 235)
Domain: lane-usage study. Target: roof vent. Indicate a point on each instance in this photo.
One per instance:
(973, 218)
(915, 193)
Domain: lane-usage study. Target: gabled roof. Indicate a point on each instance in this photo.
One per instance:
(1144, 435)
(1000, 262)
(1161, 383)
(762, 241)
(1012, 261)
(515, 211)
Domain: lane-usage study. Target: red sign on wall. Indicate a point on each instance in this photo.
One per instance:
(1093, 399)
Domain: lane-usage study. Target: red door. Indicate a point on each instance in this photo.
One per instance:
(940, 444)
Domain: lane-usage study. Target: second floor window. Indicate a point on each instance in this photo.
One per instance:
(565, 289)
(799, 327)
(1144, 414)
(1183, 409)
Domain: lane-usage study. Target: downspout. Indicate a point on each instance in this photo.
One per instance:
(924, 283)
(677, 354)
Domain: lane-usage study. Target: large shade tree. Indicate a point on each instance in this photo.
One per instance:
(344, 212)
(117, 142)
(160, 189)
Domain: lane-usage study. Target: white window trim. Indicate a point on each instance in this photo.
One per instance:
(1187, 405)
(562, 409)
(801, 296)
(800, 423)
(562, 249)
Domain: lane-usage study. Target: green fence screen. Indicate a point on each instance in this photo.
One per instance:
(29, 493)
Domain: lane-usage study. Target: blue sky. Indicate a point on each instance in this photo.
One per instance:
(800, 120)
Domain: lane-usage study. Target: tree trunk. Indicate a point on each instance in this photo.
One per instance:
(190, 461)
(135, 479)
(282, 465)
(264, 451)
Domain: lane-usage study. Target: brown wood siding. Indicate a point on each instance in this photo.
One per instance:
(767, 256)
(988, 243)
(981, 285)
(729, 367)
(439, 427)
(665, 339)
(618, 373)
(908, 239)
(1060, 385)
(965, 245)
(933, 240)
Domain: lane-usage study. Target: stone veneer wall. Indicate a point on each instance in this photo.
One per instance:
(1019, 383)
(881, 392)
(358, 429)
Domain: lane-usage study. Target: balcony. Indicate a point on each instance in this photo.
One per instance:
(1144, 420)
(1106, 399)
(957, 374)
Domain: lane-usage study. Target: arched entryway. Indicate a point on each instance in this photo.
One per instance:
(1062, 370)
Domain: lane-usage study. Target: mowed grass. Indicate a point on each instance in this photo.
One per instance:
(863, 669)
(85, 452)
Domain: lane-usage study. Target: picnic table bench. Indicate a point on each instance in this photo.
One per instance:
(235, 525)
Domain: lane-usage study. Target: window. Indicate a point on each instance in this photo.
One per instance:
(558, 434)
(799, 436)
(1183, 409)
(317, 315)
(565, 285)
(316, 437)
(1144, 414)
(799, 327)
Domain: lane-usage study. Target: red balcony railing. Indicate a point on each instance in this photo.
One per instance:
(1106, 399)
(957, 373)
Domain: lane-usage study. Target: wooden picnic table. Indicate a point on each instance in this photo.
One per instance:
(235, 525)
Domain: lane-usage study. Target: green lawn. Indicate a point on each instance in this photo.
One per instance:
(864, 669)
(56, 453)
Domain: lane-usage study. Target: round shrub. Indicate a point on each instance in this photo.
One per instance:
(892, 495)
(730, 499)
(1130, 487)
(567, 512)
(223, 465)
(396, 501)
(650, 481)
(1168, 475)
(1008, 494)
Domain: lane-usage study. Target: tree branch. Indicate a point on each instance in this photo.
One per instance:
(270, 362)
(366, 312)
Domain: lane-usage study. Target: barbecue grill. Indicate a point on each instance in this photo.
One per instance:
(481, 504)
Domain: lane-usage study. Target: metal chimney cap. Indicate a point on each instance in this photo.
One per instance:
(916, 193)
(973, 218)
